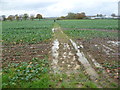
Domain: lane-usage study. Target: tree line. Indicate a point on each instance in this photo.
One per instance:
(71, 15)
(21, 17)
(82, 15)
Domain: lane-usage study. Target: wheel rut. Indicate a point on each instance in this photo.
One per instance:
(67, 57)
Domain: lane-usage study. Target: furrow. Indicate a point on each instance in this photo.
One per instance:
(83, 60)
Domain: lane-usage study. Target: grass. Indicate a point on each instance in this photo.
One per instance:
(89, 84)
(32, 74)
(71, 81)
(16, 32)
(89, 24)
(35, 74)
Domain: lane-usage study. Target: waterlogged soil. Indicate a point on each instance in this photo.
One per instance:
(97, 58)
(64, 58)
(24, 52)
(104, 52)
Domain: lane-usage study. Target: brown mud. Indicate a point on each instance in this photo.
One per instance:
(100, 53)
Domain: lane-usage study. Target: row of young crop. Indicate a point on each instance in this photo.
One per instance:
(37, 31)
(26, 31)
(90, 24)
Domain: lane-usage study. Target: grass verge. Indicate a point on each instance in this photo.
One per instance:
(32, 74)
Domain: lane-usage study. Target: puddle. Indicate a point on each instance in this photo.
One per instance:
(84, 61)
(53, 30)
(55, 55)
(95, 62)
(108, 48)
(114, 43)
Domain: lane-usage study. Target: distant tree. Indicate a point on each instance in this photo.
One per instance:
(32, 17)
(25, 16)
(10, 17)
(80, 15)
(4, 17)
(83, 13)
(39, 16)
(113, 15)
(62, 17)
(99, 15)
(71, 15)
(17, 17)
(75, 15)
(58, 18)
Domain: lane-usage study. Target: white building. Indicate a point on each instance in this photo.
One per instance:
(103, 17)
(1, 18)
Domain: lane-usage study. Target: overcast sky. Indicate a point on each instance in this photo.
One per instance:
(53, 8)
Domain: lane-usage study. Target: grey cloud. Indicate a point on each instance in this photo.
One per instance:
(24, 6)
(102, 7)
(58, 7)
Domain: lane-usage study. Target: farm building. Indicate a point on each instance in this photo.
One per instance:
(102, 17)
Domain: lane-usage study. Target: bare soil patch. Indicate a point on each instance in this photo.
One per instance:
(104, 52)
(24, 52)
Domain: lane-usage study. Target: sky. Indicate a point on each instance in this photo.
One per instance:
(56, 8)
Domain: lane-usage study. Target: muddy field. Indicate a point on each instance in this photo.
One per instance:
(97, 58)
(101, 53)
(24, 52)
(105, 52)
